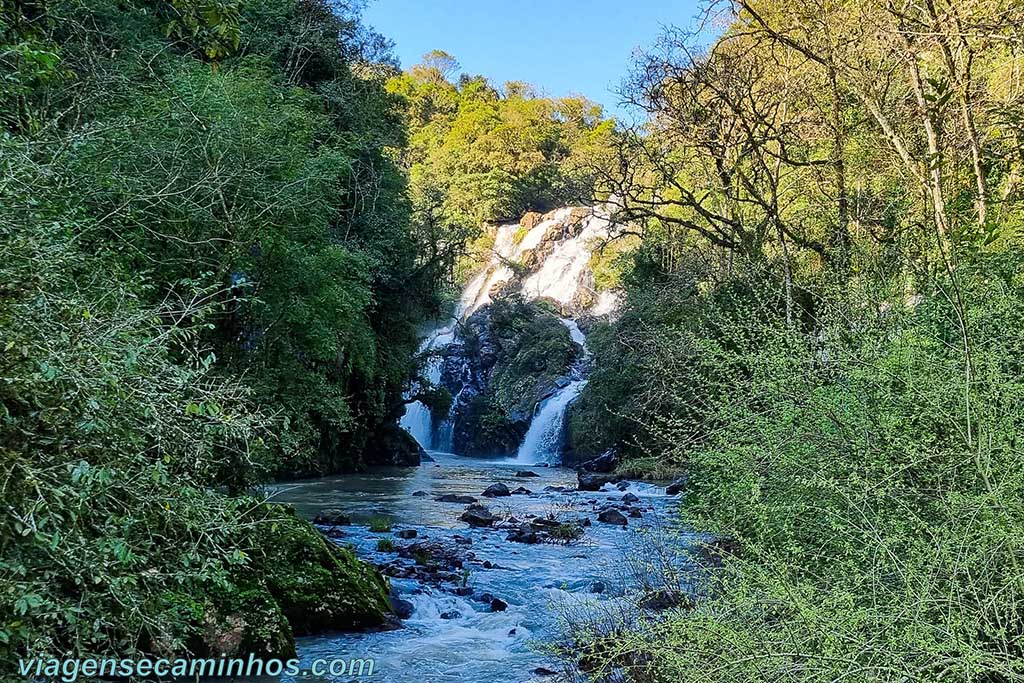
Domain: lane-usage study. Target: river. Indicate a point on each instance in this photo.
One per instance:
(448, 637)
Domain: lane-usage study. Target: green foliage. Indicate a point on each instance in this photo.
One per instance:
(479, 155)
(196, 294)
(380, 524)
(385, 545)
(866, 468)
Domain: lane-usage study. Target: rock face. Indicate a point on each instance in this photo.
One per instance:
(604, 463)
(506, 357)
(394, 446)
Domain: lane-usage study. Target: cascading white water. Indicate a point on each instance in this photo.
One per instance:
(543, 441)
(417, 419)
(545, 437)
(559, 278)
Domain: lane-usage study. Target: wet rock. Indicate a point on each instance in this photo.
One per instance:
(478, 515)
(665, 598)
(676, 487)
(524, 534)
(622, 485)
(332, 518)
(521, 491)
(541, 671)
(425, 457)
(452, 614)
(498, 605)
(597, 587)
(557, 489)
(604, 463)
(496, 491)
(511, 632)
(593, 481)
(525, 474)
(463, 591)
(420, 494)
(403, 609)
(406, 533)
(612, 516)
(487, 564)
(453, 498)
(630, 498)
(635, 513)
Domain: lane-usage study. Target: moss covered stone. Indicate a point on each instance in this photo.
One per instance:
(317, 585)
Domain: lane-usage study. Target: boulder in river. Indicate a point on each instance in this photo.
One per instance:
(406, 533)
(478, 515)
(593, 481)
(453, 498)
(604, 463)
(521, 491)
(420, 494)
(332, 518)
(612, 516)
(677, 486)
(496, 491)
(630, 498)
(498, 605)
(525, 474)
(403, 609)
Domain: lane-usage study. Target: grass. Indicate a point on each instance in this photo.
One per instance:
(385, 545)
(380, 524)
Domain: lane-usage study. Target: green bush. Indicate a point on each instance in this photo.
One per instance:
(871, 479)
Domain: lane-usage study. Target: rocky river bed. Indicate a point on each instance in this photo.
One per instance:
(482, 583)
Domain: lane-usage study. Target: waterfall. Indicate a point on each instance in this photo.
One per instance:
(544, 439)
(417, 419)
(557, 277)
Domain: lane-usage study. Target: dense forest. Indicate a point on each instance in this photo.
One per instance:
(225, 225)
(824, 331)
(222, 226)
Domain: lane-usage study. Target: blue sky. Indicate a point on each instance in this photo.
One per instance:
(561, 46)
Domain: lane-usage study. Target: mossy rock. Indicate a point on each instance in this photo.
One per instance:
(318, 586)
(224, 620)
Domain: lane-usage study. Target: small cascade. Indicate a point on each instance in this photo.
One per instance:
(545, 439)
(417, 419)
